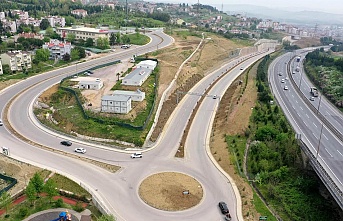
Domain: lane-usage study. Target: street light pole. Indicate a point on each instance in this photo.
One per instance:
(320, 137)
(320, 99)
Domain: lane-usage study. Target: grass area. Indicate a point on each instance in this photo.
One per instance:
(236, 145)
(138, 39)
(67, 184)
(262, 209)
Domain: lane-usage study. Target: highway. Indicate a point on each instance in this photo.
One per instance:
(119, 191)
(323, 144)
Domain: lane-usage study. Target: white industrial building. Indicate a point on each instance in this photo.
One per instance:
(137, 77)
(150, 64)
(116, 104)
(91, 84)
(135, 95)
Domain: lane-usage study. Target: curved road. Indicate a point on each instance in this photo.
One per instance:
(119, 191)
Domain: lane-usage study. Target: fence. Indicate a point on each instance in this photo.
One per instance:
(7, 178)
(114, 122)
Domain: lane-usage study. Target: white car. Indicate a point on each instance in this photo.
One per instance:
(242, 68)
(311, 98)
(136, 155)
(280, 73)
(285, 88)
(282, 80)
(214, 97)
(1, 123)
(80, 150)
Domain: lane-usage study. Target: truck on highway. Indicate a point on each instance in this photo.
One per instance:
(298, 59)
(314, 92)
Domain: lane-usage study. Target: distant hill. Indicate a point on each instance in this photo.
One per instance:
(299, 17)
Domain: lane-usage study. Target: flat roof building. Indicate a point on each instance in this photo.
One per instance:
(135, 95)
(137, 77)
(83, 33)
(150, 64)
(116, 104)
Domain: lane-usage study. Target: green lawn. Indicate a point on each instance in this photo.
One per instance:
(138, 39)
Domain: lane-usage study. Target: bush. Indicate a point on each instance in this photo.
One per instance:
(59, 203)
(23, 212)
(78, 207)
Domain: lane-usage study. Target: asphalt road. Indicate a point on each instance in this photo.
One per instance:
(321, 141)
(119, 191)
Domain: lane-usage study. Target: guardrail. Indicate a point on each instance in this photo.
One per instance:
(324, 176)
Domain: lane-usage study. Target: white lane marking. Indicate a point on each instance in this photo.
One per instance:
(305, 124)
(340, 153)
(301, 108)
(314, 124)
(307, 116)
(325, 137)
(315, 136)
(328, 152)
(296, 101)
(293, 107)
(292, 95)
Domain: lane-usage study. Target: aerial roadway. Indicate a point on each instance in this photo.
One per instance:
(323, 144)
(118, 192)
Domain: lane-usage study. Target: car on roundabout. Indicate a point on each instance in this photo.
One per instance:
(136, 155)
(80, 150)
(66, 143)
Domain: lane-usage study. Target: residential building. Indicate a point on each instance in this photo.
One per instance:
(2, 16)
(149, 64)
(135, 95)
(57, 48)
(17, 60)
(1, 71)
(137, 77)
(91, 84)
(56, 21)
(79, 12)
(21, 14)
(116, 104)
(28, 35)
(83, 33)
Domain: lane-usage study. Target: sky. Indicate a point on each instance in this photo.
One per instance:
(331, 6)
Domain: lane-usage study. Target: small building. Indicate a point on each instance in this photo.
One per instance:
(28, 35)
(135, 95)
(83, 33)
(17, 60)
(56, 21)
(150, 64)
(116, 104)
(137, 77)
(79, 12)
(91, 84)
(57, 48)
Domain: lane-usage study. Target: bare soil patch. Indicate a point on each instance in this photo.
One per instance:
(308, 42)
(232, 118)
(164, 191)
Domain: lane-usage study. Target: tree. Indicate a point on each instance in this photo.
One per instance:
(89, 42)
(71, 37)
(66, 57)
(49, 32)
(5, 200)
(74, 55)
(118, 39)
(107, 218)
(37, 181)
(82, 52)
(102, 43)
(44, 24)
(50, 189)
(30, 192)
(113, 39)
(42, 55)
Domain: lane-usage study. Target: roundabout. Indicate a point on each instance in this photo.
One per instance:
(171, 191)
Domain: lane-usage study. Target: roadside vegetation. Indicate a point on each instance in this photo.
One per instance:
(40, 195)
(326, 72)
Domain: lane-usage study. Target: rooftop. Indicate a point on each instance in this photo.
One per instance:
(115, 98)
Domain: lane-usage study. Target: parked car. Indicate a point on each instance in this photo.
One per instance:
(136, 155)
(80, 150)
(285, 88)
(223, 208)
(66, 143)
(89, 71)
(1, 123)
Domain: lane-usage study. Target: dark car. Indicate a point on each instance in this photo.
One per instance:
(223, 208)
(66, 143)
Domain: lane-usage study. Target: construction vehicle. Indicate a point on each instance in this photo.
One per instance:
(314, 92)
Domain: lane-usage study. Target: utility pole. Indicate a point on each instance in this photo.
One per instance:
(320, 137)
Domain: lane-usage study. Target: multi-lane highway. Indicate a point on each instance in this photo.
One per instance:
(323, 144)
(118, 192)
